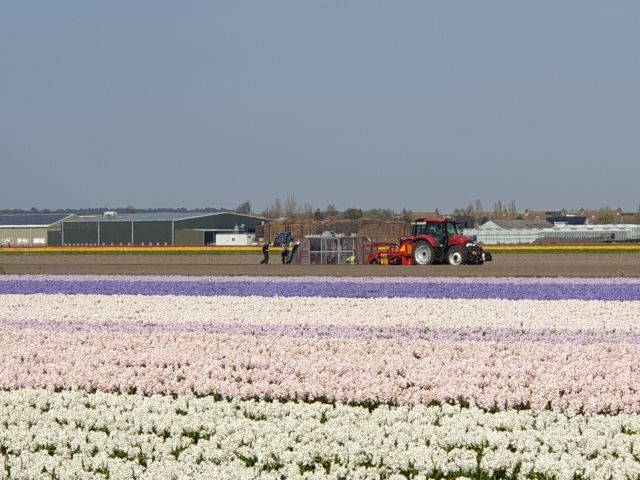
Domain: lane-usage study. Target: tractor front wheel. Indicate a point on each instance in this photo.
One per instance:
(456, 256)
(422, 253)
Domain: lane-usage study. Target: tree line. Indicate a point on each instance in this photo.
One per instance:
(291, 210)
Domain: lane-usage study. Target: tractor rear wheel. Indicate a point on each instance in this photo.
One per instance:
(422, 253)
(455, 256)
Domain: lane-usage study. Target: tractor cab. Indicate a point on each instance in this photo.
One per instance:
(441, 229)
(431, 226)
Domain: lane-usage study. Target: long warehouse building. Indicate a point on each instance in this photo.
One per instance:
(161, 229)
(30, 229)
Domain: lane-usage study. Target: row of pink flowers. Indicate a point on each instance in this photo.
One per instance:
(594, 378)
(177, 312)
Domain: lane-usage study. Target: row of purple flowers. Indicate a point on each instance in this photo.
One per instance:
(553, 289)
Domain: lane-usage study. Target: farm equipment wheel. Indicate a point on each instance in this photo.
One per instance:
(456, 256)
(422, 253)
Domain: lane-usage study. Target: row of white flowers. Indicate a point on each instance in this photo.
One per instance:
(81, 435)
(486, 314)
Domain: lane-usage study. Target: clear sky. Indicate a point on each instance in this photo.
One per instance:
(368, 104)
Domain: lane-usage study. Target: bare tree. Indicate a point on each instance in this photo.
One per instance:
(478, 208)
(407, 215)
(331, 210)
(307, 210)
(497, 210)
(274, 211)
(353, 213)
(469, 209)
(244, 207)
(290, 206)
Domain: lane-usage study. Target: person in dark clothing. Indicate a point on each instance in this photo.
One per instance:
(265, 253)
(285, 253)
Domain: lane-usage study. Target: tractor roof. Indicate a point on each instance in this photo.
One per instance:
(430, 220)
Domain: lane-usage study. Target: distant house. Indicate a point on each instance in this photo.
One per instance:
(537, 214)
(567, 220)
(631, 217)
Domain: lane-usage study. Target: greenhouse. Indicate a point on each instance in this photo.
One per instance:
(557, 233)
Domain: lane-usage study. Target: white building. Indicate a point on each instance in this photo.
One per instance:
(228, 239)
(508, 231)
(524, 232)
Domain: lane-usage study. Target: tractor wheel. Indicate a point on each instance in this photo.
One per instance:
(422, 253)
(456, 256)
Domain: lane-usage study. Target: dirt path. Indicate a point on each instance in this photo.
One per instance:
(506, 265)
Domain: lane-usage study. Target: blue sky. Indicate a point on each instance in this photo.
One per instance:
(368, 104)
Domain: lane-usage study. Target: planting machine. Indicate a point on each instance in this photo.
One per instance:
(432, 240)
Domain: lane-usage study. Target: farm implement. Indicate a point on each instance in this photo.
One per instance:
(432, 240)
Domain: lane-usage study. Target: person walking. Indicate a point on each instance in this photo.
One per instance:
(285, 253)
(265, 253)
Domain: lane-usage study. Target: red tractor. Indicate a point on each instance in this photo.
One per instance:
(432, 240)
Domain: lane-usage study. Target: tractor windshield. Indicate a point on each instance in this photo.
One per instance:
(453, 229)
(426, 228)
(435, 228)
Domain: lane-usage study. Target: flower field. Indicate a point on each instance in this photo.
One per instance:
(343, 378)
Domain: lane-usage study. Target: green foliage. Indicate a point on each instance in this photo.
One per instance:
(627, 431)
(323, 417)
(176, 451)
(248, 461)
(410, 471)
(49, 447)
(306, 467)
(196, 435)
(142, 459)
(118, 453)
(606, 218)
(273, 464)
(254, 416)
